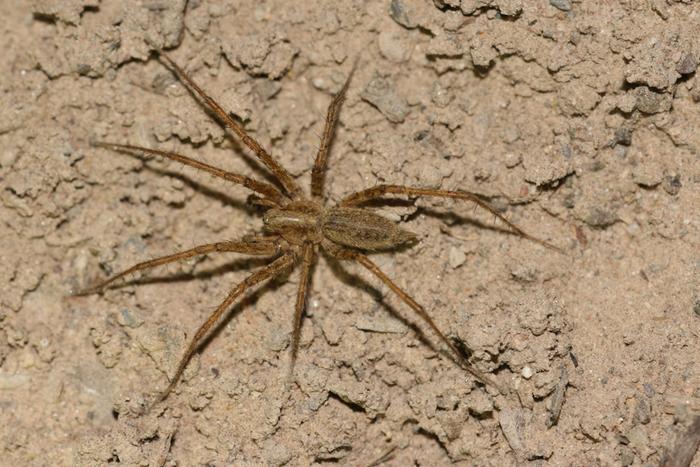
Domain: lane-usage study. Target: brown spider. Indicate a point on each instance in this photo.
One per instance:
(297, 226)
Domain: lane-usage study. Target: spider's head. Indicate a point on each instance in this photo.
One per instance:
(295, 222)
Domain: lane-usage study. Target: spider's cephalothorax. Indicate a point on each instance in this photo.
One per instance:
(297, 227)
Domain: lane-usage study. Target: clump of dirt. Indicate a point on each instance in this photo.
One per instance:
(578, 123)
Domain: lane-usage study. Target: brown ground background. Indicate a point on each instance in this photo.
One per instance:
(578, 119)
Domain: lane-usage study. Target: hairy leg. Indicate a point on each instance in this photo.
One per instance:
(270, 192)
(247, 246)
(319, 170)
(381, 190)
(280, 173)
(352, 255)
(271, 270)
(306, 263)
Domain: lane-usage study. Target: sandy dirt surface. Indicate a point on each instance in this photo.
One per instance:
(578, 120)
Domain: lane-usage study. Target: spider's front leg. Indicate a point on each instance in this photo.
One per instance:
(250, 246)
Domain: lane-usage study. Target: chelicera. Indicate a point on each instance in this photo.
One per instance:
(297, 226)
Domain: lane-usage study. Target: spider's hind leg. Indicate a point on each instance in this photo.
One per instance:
(380, 191)
(271, 270)
(460, 358)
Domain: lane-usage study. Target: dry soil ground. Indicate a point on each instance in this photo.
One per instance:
(578, 119)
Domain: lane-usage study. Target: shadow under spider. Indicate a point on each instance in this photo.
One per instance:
(452, 219)
(297, 227)
(212, 193)
(246, 302)
(231, 266)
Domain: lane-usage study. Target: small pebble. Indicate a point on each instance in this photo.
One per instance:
(8, 158)
(651, 102)
(623, 136)
(381, 94)
(402, 14)
(457, 257)
(511, 160)
(563, 5)
(392, 46)
(687, 65)
(479, 404)
(527, 372)
(672, 184)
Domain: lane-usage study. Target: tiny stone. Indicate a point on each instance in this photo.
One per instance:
(510, 135)
(480, 404)
(381, 94)
(15, 381)
(650, 102)
(623, 136)
(600, 218)
(392, 47)
(590, 427)
(509, 7)
(400, 12)
(660, 7)
(440, 96)
(648, 388)
(672, 184)
(457, 257)
(8, 158)
(647, 174)
(511, 160)
(642, 413)
(527, 372)
(626, 456)
(626, 102)
(687, 65)
(563, 5)
(577, 99)
(125, 318)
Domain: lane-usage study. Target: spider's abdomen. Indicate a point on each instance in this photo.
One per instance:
(363, 229)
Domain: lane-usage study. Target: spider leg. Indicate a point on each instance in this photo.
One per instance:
(352, 255)
(270, 192)
(319, 170)
(306, 263)
(247, 246)
(380, 190)
(280, 173)
(271, 270)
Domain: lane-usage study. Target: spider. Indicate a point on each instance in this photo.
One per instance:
(296, 226)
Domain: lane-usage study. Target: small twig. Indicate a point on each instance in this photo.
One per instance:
(557, 400)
